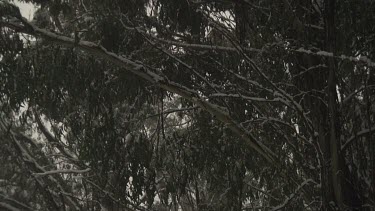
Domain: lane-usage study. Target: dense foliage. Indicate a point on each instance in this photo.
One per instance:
(188, 105)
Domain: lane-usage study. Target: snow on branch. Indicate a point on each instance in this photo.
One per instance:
(204, 47)
(255, 99)
(362, 59)
(63, 171)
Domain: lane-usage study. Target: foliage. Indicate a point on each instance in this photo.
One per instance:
(192, 105)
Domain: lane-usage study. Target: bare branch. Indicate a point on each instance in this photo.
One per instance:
(8, 207)
(63, 171)
(291, 196)
(355, 136)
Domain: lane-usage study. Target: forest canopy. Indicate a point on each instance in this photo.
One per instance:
(187, 105)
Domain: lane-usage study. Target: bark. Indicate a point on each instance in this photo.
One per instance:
(334, 129)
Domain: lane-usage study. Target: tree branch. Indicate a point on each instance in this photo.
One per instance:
(63, 171)
(355, 136)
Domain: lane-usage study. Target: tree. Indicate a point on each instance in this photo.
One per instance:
(203, 105)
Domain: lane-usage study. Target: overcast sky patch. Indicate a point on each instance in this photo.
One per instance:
(27, 9)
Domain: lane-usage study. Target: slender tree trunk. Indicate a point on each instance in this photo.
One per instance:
(325, 117)
(333, 190)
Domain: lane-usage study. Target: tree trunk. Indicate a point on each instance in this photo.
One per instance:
(334, 172)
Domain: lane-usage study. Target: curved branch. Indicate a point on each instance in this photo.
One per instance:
(355, 136)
